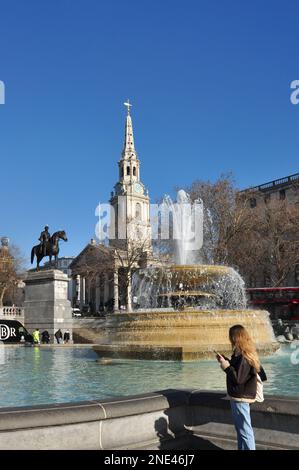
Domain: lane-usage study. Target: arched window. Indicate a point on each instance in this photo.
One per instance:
(138, 211)
(128, 170)
(134, 171)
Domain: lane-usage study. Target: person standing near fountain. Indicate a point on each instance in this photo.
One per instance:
(242, 372)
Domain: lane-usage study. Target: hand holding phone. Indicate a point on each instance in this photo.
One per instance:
(218, 355)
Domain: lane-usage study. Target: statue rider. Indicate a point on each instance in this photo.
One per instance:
(44, 238)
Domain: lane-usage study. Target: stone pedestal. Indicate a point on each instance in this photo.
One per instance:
(46, 302)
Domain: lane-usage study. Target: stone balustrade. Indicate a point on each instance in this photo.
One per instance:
(12, 313)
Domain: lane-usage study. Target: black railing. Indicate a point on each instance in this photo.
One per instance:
(275, 183)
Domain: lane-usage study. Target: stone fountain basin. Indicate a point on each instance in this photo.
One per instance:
(193, 273)
(180, 335)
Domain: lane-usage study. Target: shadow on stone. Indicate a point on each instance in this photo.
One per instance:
(172, 430)
(180, 441)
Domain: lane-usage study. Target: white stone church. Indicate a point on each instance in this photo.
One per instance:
(102, 273)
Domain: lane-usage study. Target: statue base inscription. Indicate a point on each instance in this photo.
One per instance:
(46, 304)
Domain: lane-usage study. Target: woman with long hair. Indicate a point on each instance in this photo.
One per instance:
(243, 371)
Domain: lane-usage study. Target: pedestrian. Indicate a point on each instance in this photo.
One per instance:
(66, 336)
(35, 336)
(45, 337)
(58, 336)
(243, 374)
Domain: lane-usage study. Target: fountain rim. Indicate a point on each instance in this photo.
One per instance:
(204, 268)
(185, 293)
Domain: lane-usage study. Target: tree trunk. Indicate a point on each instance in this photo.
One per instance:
(129, 293)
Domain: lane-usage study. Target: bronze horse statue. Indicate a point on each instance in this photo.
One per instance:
(51, 249)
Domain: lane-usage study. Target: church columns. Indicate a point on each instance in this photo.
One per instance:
(82, 291)
(116, 295)
(89, 299)
(75, 291)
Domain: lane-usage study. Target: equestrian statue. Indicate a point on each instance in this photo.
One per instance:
(49, 246)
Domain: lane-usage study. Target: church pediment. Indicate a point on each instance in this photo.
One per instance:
(90, 256)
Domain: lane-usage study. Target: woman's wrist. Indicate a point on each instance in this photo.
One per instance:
(224, 364)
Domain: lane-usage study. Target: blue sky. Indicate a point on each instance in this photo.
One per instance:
(210, 85)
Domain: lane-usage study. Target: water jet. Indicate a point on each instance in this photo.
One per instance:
(184, 310)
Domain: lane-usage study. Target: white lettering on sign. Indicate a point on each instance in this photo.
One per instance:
(6, 332)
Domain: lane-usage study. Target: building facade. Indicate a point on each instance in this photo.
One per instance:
(102, 272)
(282, 301)
(286, 190)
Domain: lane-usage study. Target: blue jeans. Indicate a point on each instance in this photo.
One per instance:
(242, 422)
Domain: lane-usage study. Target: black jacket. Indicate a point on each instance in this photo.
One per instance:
(241, 378)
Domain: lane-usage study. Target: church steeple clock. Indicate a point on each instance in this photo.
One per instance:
(129, 199)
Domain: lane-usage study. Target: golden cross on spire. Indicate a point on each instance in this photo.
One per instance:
(128, 105)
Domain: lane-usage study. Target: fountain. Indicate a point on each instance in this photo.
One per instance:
(184, 310)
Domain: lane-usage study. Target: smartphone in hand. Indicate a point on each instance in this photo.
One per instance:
(218, 355)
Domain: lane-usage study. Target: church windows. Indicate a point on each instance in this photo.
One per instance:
(138, 211)
(267, 198)
(282, 194)
(134, 171)
(128, 170)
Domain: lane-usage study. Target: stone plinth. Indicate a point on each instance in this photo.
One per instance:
(46, 304)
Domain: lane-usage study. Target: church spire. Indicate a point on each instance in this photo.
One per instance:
(129, 151)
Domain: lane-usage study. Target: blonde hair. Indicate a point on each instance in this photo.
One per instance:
(241, 340)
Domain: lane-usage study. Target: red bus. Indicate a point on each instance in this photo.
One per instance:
(281, 302)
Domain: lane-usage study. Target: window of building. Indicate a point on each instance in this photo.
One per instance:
(252, 202)
(128, 170)
(138, 211)
(282, 194)
(267, 198)
(267, 280)
(134, 171)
